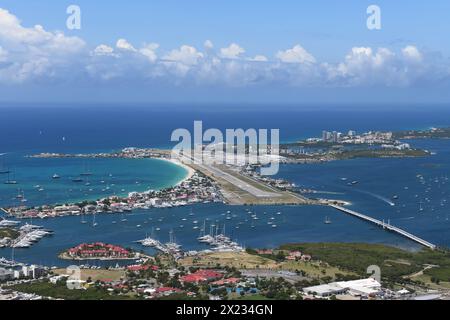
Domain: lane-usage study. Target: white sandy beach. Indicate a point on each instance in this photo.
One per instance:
(190, 171)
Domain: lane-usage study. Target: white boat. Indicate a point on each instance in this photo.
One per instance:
(94, 223)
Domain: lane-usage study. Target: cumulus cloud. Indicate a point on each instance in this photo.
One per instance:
(31, 52)
(412, 53)
(14, 34)
(208, 45)
(186, 55)
(103, 50)
(365, 66)
(233, 51)
(149, 51)
(295, 55)
(35, 54)
(123, 44)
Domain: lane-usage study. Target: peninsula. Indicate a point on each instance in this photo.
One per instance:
(99, 251)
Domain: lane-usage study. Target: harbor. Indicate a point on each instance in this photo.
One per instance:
(29, 235)
(25, 235)
(218, 242)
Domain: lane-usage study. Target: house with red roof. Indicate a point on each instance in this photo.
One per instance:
(140, 267)
(201, 276)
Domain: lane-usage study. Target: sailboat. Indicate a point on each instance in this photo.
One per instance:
(86, 172)
(327, 220)
(172, 245)
(202, 231)
(9, 181)
(83, 221)
(21, 196)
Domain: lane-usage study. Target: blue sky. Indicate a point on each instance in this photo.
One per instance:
(309, 48)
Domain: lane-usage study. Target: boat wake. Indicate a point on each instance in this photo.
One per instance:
(377, 196)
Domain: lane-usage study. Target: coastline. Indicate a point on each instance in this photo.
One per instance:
(64, 256)
(189, 171)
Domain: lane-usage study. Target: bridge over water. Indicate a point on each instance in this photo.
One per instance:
(386, 226)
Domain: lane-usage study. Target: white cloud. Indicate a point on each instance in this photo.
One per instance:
(14, 34)
(233, 51)
(295, 55)
(208, 45)
(259, 58)
(363, 66)
(123, 44)
(149, 51)
(103, 50)
(412, 53)
(186, 55)
(34, 52)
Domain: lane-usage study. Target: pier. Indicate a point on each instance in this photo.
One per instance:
(386, 226)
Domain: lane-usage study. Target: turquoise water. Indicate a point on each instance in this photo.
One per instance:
(109, 177)
(30, 131)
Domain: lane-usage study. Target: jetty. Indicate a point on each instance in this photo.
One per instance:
(386, 226)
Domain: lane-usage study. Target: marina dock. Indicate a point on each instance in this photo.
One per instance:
(386, 226)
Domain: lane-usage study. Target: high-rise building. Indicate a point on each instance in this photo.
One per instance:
(335, 136)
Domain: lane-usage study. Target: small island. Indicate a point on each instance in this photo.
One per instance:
(335, 145)
(99, 251)
(432, 133)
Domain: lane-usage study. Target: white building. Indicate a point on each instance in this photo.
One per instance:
(362, 287)
(325, 290)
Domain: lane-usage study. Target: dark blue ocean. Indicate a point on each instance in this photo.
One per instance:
(29, 129)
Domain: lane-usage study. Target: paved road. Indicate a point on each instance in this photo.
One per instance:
(288, 276)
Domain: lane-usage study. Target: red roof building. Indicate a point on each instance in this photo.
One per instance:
(201, 276)
(140, 267)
